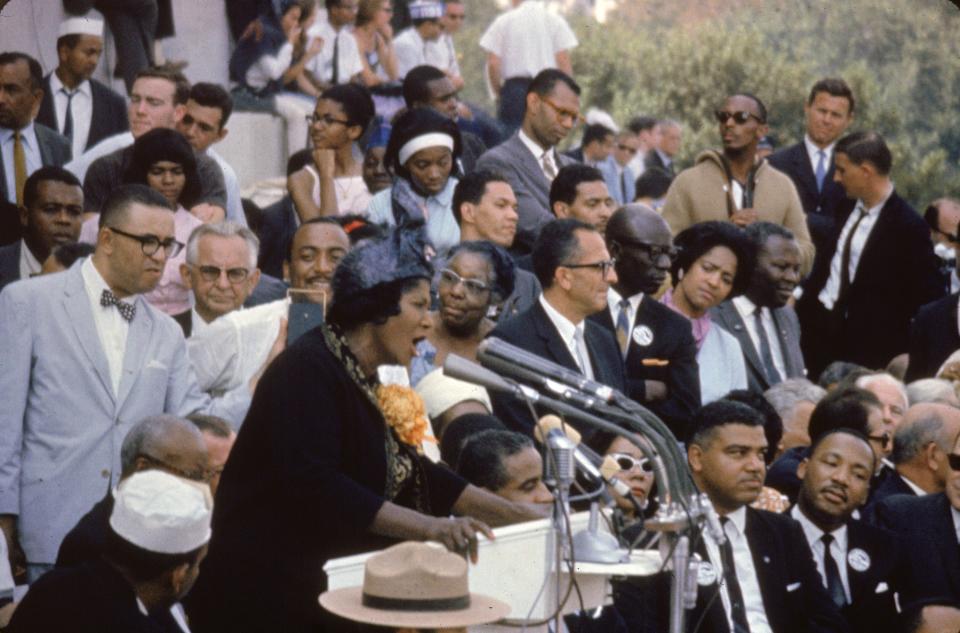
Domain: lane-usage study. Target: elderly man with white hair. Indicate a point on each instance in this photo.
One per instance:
(935, 390)
(794, 400)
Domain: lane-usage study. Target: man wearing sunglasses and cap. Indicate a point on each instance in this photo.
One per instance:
(734, 184)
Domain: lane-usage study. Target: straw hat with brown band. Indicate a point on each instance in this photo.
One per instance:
(414, 585)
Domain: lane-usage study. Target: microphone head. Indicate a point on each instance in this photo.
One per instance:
(609, 468)
(552, 422)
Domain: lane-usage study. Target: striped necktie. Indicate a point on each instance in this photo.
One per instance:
(623, 326)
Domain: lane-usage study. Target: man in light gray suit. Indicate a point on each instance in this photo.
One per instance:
(529, 159)
(86, 358)
(767, 328)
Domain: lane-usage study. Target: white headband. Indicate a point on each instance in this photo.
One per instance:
(433, 139)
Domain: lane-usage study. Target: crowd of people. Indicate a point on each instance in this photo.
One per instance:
(205, 401)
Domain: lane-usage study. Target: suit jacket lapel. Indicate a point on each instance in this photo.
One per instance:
(877, 233)
(861, 582)
(530, 164)
(945, 535)
(790, 363)
(138, 339)
(802, 162)
(731, 318)
(78, 312)
(551, 339)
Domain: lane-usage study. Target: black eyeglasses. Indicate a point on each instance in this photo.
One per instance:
(212, 273)
(954, 460)
(604, 267)
(474, 287)
(883, 438)
(150, 244)
(653, 250)
(740, 117)
(327, 120)
(629, 462)
(202, 475)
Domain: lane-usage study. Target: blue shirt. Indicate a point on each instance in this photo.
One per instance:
(442, 227)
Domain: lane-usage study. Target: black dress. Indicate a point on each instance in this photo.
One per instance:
(311, 467)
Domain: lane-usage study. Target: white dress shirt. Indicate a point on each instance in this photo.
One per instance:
(613, 301)
(747, 308)
(572, 337)
(538, 153)
(527, 39)
(956, 521)
(81, 108)
(348, 53)
(29, 265)
(410, 50)
(812, 150)
(746, 573)
(111, 327)
(31, 152)
(442, 54)
(838, 548)
(197, 324)
(831, 291)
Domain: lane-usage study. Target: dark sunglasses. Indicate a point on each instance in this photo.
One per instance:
(739, 117)
(629, 462)
(954, 460)
(883, 438)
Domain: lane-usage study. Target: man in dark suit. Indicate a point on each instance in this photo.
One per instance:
(762, 570)
(761, 319)
(927, 525)
(669, 138)
(828, 112)
(574, 268)
(25, 146)
(595, 146)
(920, 446)
(51, 215)
(878, 270)
(656, 343)
(934, 335)
(529, 159)
(82, 109)
(862, 566)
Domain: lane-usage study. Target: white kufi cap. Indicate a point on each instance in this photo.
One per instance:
(162, 513)
(81, 26)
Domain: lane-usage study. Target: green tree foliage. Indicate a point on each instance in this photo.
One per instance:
(678, 59)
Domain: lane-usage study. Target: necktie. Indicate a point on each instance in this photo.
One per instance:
(126, 310)
(68, 117)
(845, 256)
(623, 187)
(19, 166)
(623, 327)
(583, 356)
(548, 169)
(738, 611)
(766, 352)
(832, 573)
(821, 169)
(334, 79)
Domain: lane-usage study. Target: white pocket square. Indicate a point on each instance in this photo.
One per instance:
(793, 586)
(882, 587)
(155, 364)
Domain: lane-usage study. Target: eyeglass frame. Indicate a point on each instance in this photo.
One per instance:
(604, 266)
(642, 462)
(654, 251)
(179, 472)
(885, 439)
(476, 292)
(169, 243)
(723, 116)
(563, 113)
(221, 271)
(313, 119)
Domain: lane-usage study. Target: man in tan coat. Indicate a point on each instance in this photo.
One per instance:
(734, 184)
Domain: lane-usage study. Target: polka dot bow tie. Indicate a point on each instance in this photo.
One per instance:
(127, 310)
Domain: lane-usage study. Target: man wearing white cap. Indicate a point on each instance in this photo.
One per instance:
(159, 529)
(410, 45)
(82, 109)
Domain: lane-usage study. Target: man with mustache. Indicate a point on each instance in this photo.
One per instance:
(766, 579)
(761, 319)
(861, 565)
(656, 343)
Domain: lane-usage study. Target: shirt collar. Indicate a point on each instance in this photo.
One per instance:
(814, 533)
(739, 519)
(614, 298)
(917, 489)
(26, 133)
(56, 85)
(812, 149)
(95, 282)
(33, 265)
(566, 328)
(875, 209)
(744, 306)
(532, 145)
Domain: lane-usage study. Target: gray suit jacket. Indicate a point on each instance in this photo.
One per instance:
(788, 329)
(514, 161)
(54, 150)
(61, 424)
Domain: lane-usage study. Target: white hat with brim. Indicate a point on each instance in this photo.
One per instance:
(414, 585)
(81, 26)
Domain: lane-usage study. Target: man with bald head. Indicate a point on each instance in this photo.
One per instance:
(920, 446)
(656, 343)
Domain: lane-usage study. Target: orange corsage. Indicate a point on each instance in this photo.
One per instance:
(404, 411)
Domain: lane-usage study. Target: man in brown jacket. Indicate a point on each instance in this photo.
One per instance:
(734, 184)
